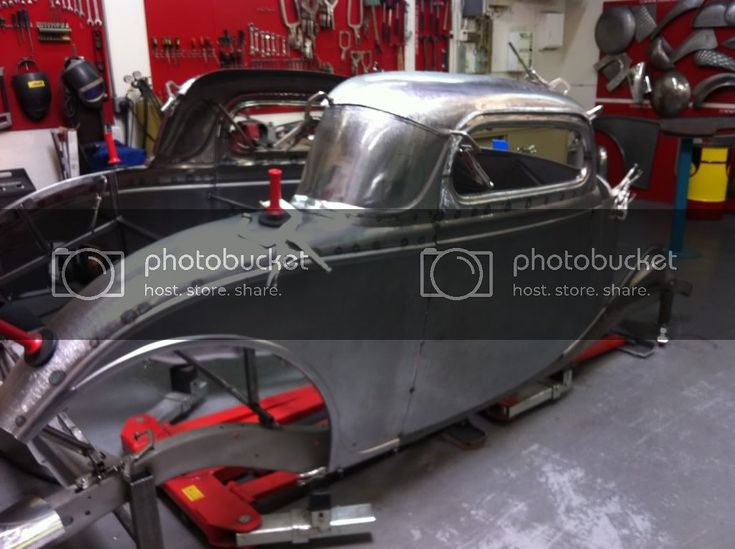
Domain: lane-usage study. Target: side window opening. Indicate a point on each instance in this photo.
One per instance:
(515, 158)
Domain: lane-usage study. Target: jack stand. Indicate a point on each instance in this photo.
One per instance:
(187, 393)
(465, 435)
(639, 348)
(531, 396)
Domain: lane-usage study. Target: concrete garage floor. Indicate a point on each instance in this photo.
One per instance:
(638, 455)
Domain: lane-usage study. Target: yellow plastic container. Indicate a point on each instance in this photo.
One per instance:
(708, 184)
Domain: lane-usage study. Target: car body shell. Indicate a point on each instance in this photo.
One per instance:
(407, 381)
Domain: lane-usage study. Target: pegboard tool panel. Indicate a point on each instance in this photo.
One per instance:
(675, 33)
(619, 101)
(49, 31)
(190, 37)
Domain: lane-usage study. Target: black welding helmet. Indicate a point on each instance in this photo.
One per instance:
(84, 80)
(32, 89)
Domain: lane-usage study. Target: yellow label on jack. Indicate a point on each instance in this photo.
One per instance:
(36, 84)
(192, 492)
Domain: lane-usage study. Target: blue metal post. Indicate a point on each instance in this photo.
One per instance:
(683, 168)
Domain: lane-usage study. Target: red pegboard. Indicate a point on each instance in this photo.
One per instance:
(663, 176)
(194, 21)
(50, 56)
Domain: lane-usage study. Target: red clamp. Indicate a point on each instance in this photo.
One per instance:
(38, 347)
(113, 158)
(274, 215)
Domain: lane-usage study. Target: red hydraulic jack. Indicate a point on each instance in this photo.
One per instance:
(216, 499)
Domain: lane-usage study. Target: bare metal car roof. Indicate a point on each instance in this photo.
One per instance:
(444, 101)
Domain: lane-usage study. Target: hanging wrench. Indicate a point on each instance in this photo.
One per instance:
(90, 22)
(80, 11)
(97, 20)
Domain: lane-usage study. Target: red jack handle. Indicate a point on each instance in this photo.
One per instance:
(31, 342)
(274, 208)
(113, 158)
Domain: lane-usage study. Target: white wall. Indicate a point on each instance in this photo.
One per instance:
(32, 150)
(127, 39)
(575, 60)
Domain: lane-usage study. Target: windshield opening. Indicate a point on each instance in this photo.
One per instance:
(368, 159)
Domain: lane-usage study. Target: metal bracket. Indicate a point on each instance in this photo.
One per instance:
(144, 507)
(301, 526)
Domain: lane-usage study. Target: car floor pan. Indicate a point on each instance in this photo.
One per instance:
(645, 21)
(615, 30)
(712, 15)
(710, 85)
(682, 7)
(697, 41)
(714, 59)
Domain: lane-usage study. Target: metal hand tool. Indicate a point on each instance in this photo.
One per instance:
(203, 46)
(290, 26)
(361, 59)
(79, 7)
(345, 40)
(90, 21)
(308, 13)
(376, 33)
(97, 20)
(253, 45)
(355, 26)
(331, 6)
(308, 49)
(366, 61)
